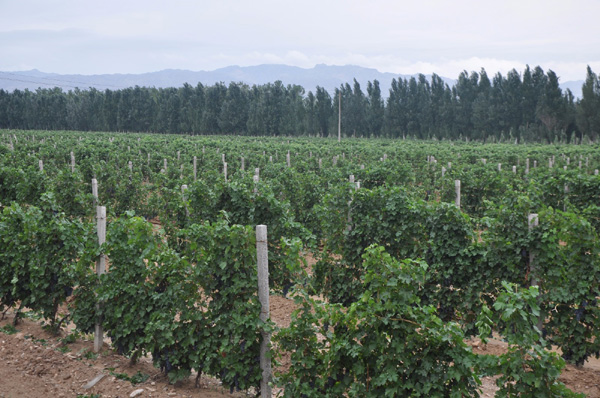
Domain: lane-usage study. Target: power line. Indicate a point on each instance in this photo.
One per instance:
(62, 81)
(29, 81)
(58, 80)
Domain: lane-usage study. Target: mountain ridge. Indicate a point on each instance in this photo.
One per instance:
(326, 76)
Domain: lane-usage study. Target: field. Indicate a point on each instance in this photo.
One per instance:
(397, 270)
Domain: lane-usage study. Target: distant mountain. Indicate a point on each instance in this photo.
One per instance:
(574, 86)
(326, 76)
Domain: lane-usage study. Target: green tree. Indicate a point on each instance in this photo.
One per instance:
(324, 110)
(375, 110)
(214, 97)
(234, 110)
(588, 112)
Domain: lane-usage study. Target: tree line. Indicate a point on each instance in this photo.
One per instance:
(528, 106)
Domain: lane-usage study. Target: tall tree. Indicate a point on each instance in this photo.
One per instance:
(375, 110)
(588, 112)
(234, 110)
(396, 112)
(550, 110)
(214, 97)
(324, 109)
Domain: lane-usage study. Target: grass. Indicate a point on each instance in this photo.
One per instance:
(137, 378)
(8, 329)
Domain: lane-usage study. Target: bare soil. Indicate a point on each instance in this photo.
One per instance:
(34, 363)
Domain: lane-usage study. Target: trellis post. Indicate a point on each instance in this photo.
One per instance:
(100, 269)
(262, 256)
(457, 190)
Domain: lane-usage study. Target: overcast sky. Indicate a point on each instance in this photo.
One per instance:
(421, 36)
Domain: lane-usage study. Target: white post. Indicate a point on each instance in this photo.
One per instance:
(184, 198)
(225, 170)
(195, 168)
(443, 171)
(596, 172)
(499, 166)
(514, 169)
(527, 166)
(457, 189)
(243, 164)
(287, 159)
(262, 256)
(95, 190)
(178, 155)
(72, 162)
(255, 179)
(100, 269)
(165, 165)
(131, 166)
(320, 163)
(533, 221)
(535, 164)
(41, 164)
(484, 161)
(148, 160)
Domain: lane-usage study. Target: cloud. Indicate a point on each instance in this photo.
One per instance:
(398, 64)
(115, 36)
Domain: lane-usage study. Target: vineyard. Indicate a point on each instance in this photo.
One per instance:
(419, 246)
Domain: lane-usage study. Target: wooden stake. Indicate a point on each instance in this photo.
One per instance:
(95, 191)
(195, 168)
(457, 191)
(100, 269)
(184, 198)
(262, 256)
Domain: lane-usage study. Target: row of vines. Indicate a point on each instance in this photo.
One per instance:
(404, 275)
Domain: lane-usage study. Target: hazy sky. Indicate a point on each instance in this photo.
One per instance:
(421, 36)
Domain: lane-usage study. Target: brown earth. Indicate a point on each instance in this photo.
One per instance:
(33, 363)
